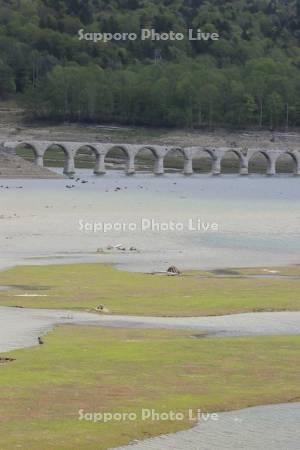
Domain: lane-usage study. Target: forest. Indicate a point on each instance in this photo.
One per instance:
(250, 77)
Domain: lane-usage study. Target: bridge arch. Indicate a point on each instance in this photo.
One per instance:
(145, 158)
(171, 162)
(117, 154)
(57, 155)
(86, 155)
(288, 162)
(231, 161)
(259, 162)
(27, 150)
(203, 160)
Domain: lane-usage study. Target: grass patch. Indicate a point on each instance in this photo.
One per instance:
(121, 370)
(84, 286)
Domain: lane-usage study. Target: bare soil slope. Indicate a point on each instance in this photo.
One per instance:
(12, 166)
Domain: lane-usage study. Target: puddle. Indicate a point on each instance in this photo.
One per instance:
(5, 288)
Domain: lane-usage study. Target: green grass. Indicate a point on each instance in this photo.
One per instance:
(113, 370)
(84, 286)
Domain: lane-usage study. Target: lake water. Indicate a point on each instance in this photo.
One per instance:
(20, 327)
(258, 220)
(270, 427)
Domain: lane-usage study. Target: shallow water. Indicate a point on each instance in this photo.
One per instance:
(271, 427)
(20, 327)
(258, 219)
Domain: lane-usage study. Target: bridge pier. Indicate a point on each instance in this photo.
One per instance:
(297, 172)
(39, 160)
(297, 168)
(159, 151)
(216, 166)
(69, 168)
(100, 164)
(188, 166)
(244, 168)
(130, 170)
(271, 171)
(159, 166)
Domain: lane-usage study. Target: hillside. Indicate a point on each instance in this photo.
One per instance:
(250, 76)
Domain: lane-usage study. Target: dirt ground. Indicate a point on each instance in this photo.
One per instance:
(13, 126)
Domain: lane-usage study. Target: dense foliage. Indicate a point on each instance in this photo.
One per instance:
(248, 77)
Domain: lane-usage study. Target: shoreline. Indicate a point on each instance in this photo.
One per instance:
(15, 127)
(246, 426)
(34, 322)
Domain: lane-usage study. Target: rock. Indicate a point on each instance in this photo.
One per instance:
(172, 270)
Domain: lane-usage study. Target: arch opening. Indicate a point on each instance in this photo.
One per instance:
(231, 162)
(116, 158)
(145, 160)
(26, 151)
(55, 156)
(203, 162)
(286, 163)
(85, 157)
(259, 163)
(174, 161)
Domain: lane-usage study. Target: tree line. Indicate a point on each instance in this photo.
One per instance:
(249, 77)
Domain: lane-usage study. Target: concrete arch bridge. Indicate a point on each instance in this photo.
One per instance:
(131, 151)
